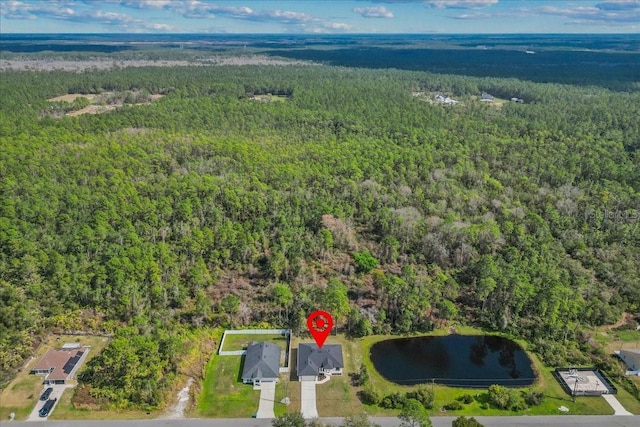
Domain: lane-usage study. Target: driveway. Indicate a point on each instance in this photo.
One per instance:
(308, 399)
(616, 405)
(58, 389)
(267, 399)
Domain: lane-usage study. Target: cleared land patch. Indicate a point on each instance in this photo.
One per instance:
(70, 97)
(72, 104)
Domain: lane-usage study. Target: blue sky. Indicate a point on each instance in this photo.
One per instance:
(311, 16)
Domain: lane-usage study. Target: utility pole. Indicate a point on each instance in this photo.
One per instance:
(575, 389)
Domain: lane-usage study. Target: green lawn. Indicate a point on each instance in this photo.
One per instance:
(20, 396)
(223, 394)
(234, 342)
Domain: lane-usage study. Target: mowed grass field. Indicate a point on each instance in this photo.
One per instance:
(234, 342)
(21, 395)
(223, 394)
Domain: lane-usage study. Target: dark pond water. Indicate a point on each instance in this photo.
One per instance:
(456, 360)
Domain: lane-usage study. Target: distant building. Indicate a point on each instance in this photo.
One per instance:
(485, 97)
(631, 358)
(314, 361)
(60, 364)
(445, 99)
(261, 363)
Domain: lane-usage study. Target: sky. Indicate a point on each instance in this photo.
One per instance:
(320, 16)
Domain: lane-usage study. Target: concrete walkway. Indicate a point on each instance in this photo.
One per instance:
(308, 399)
(267, 399)
(616, 405)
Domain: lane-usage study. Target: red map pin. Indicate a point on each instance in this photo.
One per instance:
(320, 324)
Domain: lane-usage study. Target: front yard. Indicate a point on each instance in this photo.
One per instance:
(223, 393)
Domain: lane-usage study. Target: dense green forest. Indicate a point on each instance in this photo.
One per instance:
(395, 213)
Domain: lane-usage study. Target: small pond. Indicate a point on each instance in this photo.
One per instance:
(455, 360)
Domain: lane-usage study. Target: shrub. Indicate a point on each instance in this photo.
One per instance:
(516, 403)
(362, 378)
(453, 406)
(369, 396)
(499, 396)
(365, 262)
(289, 420)
(533, 398)
(466, 422)
(504, 398)
(423, 395)
(393, 401)
(466, 398)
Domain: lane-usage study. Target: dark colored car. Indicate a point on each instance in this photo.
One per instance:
(46, 409)
(45, 394)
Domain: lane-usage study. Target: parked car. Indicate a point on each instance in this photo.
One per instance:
(45, 394)
(46, 409)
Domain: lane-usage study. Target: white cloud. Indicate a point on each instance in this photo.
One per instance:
(597, 14)
(324, 28)
(283, 16)
(374, 12)
(160, 27)
(59, 12)
(198, 9)
(473, 15)
(460, 4)
(109, 13)
(337, 26)
(142, 4)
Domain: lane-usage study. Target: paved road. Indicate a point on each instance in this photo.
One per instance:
(267, 399)
(525, 421)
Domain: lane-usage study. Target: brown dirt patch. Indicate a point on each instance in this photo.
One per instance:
(70, 97)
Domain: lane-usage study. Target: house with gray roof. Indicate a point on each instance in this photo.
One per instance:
(314, 361)
(485, 97)
(631, 358)
(261, 363)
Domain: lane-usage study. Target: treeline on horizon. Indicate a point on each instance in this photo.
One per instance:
(208, 208)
